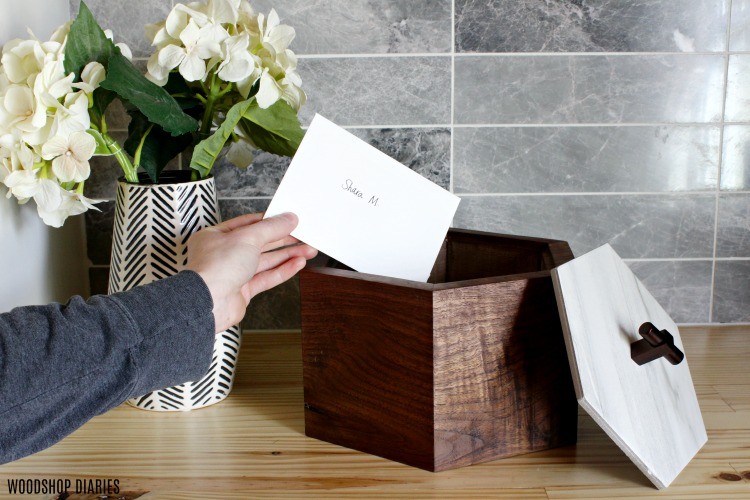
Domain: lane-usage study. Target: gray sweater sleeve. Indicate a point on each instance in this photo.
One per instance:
(61, 365)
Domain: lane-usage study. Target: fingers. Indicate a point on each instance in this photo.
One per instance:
(268, 230)
(275, 276)
(272, 259)
(240, 221)
(288, 240)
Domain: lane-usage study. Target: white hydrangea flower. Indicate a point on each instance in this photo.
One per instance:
(22, 59)
(23, 184)
(238, 64)
(55, 204)
(43, 121)
(198, 45)
(91, 76)
(70, 155)
(274, 35)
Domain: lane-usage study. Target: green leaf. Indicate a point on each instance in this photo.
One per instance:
(153, 101)
(159, 147)
(101, 144)
(275, 129)
(86, 43)
(206, 151)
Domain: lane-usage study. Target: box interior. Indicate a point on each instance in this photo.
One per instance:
(466, 256)
(469, 256)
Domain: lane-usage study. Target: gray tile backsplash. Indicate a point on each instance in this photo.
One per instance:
(740, 31)
(683, 288)
(733, 231)
(588, 88)
(731, 292)
(640, 226)
(585, 159)
(378, 90)
(738, 91)
(735, 164)
(602, 26)
(592, 122)
(365, 26)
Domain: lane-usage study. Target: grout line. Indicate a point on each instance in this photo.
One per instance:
(689, 259)
(668, 259)
(396, 55)
(597, 193)
(590, 124)
(453, 95)
(374, 55)
(720, 162)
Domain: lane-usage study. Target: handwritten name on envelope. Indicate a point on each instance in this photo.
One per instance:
(362, 207)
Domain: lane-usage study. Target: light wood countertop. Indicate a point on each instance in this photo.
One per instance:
(253, 445)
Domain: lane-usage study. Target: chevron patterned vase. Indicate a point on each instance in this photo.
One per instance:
(153, 223)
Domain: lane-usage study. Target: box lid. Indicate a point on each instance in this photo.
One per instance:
(651, 410)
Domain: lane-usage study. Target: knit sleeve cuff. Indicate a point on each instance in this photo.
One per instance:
(175, 322)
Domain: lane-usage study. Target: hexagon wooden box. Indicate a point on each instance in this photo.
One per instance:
(466, 368)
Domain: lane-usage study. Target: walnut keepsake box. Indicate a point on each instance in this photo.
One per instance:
(487, 359)
(466, 368)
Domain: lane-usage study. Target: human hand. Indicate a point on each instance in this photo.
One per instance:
(238, 260)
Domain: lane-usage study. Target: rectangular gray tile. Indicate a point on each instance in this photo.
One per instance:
(585, 159)
(737, 107)
(602, 26)
(261, 178)
(127, 20)
(739, 32)
(733, 232)
(683, 288)
(588, 89)
(378, 90)
(731, 292)
(364, 26)
(637, 226)
(241, 206)
(426, 151)
(735, 163)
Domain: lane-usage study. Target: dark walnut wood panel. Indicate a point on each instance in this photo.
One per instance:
(502, 381)
(467, 368)
(367, 357)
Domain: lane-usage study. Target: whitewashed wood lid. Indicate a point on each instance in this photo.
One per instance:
(650, 411)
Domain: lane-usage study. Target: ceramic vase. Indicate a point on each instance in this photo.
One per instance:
(153, 223)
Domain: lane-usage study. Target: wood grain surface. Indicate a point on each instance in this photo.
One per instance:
(502, 381)
(468, 368)
(253, 444)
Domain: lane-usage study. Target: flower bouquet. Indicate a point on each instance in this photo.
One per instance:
(220, 75)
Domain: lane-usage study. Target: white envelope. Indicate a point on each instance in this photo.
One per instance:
(362, 207)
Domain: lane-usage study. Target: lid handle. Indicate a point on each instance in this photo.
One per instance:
(654, 345)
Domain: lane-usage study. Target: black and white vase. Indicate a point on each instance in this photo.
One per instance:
(153, 223)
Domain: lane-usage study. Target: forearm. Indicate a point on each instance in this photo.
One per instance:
(61, 365)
